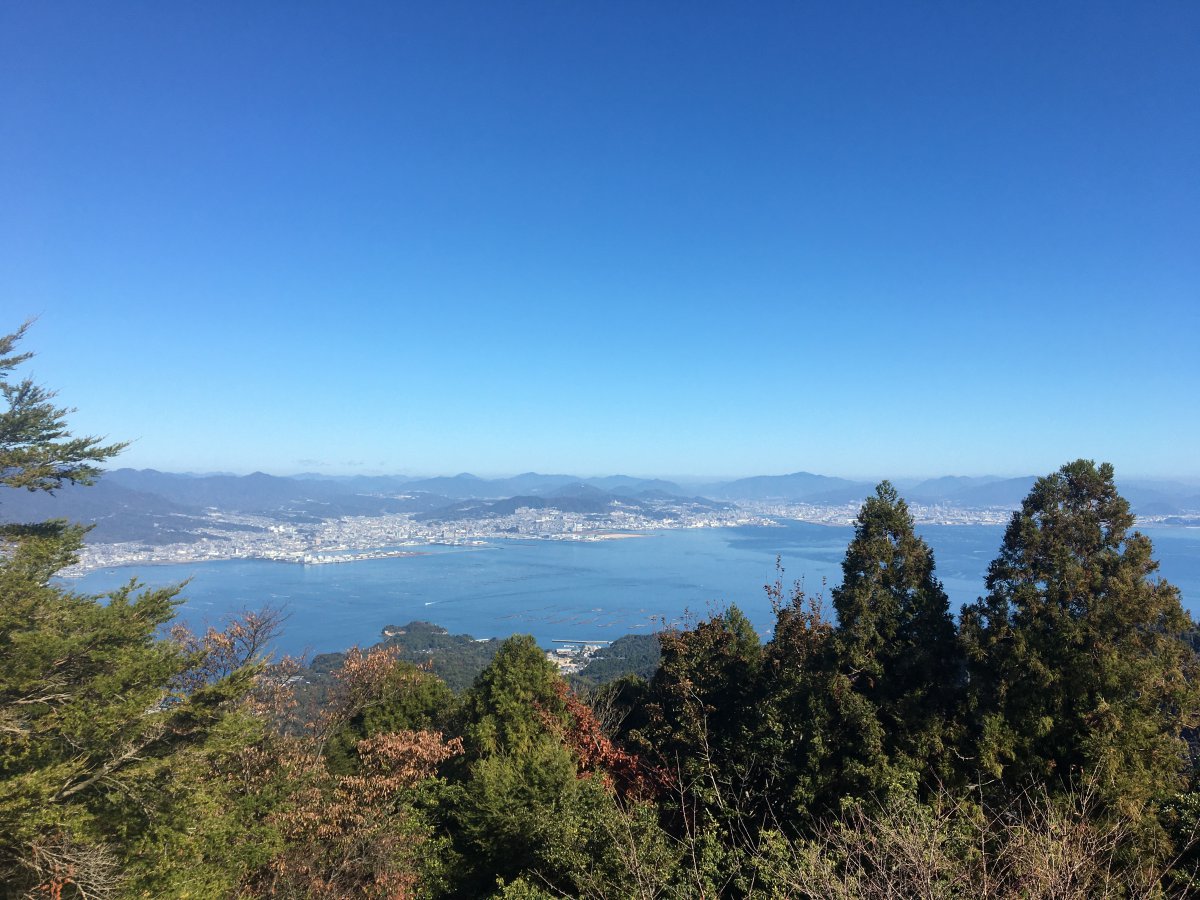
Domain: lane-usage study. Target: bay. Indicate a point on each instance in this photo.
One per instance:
(571, 589)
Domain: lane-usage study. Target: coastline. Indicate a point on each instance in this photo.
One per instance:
(112, 556)
(310, 557)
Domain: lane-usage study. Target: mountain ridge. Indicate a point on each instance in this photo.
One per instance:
(161, 507)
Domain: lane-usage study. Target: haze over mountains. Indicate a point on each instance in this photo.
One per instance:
(145, 504)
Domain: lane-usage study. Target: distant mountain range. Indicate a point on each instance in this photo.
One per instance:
(1146, 497)
(800, 486)
(162, 507)
(573, 498)
(467, 486)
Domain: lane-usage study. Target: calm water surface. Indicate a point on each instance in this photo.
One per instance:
(556, 589)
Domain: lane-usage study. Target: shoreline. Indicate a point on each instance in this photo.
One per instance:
(348, 555)
(78, 571)
(336, 557)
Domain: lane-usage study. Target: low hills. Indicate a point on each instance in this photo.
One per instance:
(161, 507)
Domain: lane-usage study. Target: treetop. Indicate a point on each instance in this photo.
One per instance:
(37, 450)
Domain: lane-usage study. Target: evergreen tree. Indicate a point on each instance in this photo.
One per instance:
(898, 664)
(37, 452)
(796, 714)
(703, 707)
(508, 708)
(520, 807)
(104, 723)
(1078, 657)
(517, 782)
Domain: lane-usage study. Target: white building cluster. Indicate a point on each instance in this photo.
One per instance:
(353, 538)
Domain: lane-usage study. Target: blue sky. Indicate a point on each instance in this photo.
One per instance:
(859, 239)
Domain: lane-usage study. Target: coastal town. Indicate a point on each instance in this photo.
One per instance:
(225, 536)
(352, 538)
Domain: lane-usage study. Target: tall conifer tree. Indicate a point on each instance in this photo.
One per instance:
(1078, 658)
(105, 727)
(898, 681)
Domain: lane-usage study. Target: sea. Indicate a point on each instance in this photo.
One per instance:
(572, 590)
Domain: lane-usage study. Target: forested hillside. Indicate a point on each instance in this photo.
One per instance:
(1039, 744)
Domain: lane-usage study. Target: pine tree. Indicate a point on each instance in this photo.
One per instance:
(1078, 656)
(508, 706)
(104, 723)
(522, 805)
(897, 685)
(36, 450)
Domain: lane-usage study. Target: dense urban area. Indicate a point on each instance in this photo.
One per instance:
(351, 538)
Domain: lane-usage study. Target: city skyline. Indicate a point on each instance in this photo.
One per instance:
(856, 241)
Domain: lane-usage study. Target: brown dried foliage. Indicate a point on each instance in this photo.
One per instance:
(359, 683)
(219, 653)
(1036, 847)
(584, 735)
(61, 867)
(346, 835)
